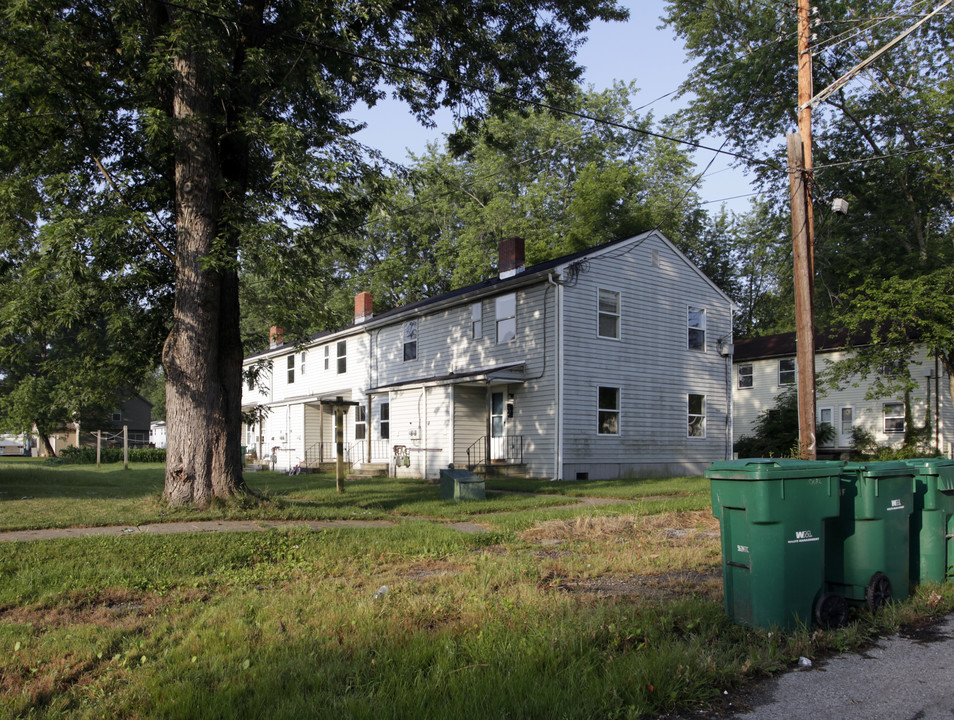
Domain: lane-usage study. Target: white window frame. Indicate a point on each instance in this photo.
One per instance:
(361, 422)
(301, 362)
(327, 357)
(342, 356)
(505, 307)
(290, 368)
(750, 376)
(696, 329)
(409, 337)
(895, 416)
(384, 421)
(698, 415)
(476, 320)
(614, 315)
(851, 421)
(606, 413)
(793, 372)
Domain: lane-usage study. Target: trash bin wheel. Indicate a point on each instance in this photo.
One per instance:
(831, 610)
(878, 593)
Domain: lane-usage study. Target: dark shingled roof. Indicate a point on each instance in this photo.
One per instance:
(784, 345)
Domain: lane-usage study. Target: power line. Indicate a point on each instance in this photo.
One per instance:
(888, 156)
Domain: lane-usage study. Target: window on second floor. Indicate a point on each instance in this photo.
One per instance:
(476, 320)
(290, 364)
(745, 376)
(304, 359)
(342, 357)
(608, 315)
(506, 311)
(327, 356)
(786, 371)
(410, 340)
(697, 328)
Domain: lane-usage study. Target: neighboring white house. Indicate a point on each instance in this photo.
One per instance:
(611, 362)
(764, 367)
(157, 433)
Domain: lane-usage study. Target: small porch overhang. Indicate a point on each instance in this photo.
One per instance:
(498, 374)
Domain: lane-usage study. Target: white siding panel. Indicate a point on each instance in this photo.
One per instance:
(650, 363)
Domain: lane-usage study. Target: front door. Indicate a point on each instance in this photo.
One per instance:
(498, 427)
(825, 417)
(845, 427)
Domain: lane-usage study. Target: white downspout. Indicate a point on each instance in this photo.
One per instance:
(558, 380)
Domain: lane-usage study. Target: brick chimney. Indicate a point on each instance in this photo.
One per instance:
(363, 307)
(276, 336)
(511, 259)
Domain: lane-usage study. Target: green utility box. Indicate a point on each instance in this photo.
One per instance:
(461, 485)
(867, 558)
(932, 522)
(772, 514)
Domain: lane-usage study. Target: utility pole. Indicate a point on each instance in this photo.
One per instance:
(803, 240)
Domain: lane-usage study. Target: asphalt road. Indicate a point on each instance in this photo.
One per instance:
(903, 677)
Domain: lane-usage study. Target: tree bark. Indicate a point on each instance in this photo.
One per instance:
(202, 356)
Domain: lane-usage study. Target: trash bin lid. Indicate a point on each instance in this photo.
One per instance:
(880, 468)
(772, 469)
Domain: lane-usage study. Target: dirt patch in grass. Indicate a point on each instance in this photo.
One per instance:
(429, 570)
(118, 608)
(673, 529)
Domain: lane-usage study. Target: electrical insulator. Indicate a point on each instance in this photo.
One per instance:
(814, 9)
(814, 37)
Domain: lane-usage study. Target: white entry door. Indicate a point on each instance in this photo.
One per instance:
(498, 427)
(826, 416)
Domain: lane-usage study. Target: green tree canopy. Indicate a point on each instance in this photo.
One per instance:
(213, 135)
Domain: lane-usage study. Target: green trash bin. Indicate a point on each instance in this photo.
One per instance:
(772, 514)
(931, 522)
(867, 557)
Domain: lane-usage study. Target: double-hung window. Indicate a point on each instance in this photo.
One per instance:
(327, 356)
(290, 364)
(342, 357)
(360, 422)
(786, 372)
(697, 415)
(893, 417)
(506, 311)
(385, 426)
(476, 320)
(608, 315)
(745, 376)
(697, 328)
(607, 410)
(410, 340)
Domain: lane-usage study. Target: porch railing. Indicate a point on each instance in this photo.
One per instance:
(506, 449)
(354, 452)
(327, 452)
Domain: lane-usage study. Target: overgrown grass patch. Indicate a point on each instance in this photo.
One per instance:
(607, 615)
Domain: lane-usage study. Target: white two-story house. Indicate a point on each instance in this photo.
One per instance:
(765, 367)
(611, 362)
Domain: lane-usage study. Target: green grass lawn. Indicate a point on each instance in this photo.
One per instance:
(595, 611)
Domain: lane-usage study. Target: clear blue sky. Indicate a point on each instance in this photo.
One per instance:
(634, 50)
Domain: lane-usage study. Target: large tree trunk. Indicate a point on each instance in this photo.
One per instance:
(202, 356)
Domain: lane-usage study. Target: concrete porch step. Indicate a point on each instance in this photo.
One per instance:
(369, 470)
